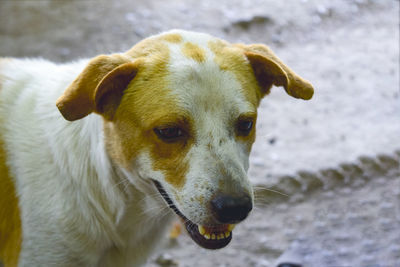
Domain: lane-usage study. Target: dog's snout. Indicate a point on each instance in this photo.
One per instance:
(231, 209)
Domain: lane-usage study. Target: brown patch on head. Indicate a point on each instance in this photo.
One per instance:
(10, 222)
(171, 160)
(194, 52)
(249, 138)
(232, 59)
(148, 103)
(171, 38)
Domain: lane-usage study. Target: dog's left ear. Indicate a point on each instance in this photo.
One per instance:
(99, 87)
(270, 70)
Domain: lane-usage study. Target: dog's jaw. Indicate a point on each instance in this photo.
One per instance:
(210, 237)
(204, 230)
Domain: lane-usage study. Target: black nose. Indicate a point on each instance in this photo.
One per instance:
(231, 209)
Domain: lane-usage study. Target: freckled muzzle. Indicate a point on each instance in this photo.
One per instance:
(210, 236)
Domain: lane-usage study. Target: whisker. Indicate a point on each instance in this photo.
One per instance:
(154, 212)
(269, 189)
(123, 181)
(262, 205)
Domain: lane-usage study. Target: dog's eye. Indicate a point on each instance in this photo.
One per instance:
(244, 127)
(169, 134)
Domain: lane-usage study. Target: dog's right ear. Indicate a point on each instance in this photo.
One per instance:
(99, 88)
(270, 70)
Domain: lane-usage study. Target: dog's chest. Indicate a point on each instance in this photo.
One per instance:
(141, 231)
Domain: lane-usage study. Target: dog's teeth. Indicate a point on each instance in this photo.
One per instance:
(201, 229)
(215, 236)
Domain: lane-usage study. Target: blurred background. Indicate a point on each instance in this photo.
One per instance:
(326, 171)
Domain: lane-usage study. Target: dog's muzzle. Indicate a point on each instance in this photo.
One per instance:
(227, 210)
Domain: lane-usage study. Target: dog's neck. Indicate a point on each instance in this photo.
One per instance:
(120, 198)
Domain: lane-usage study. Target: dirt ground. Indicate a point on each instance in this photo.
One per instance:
(336, 156)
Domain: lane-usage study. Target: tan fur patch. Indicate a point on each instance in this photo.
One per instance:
(10, 222)
(148, 103)
(172, 38)
(251, 137)
(194, 52)
(232, 59)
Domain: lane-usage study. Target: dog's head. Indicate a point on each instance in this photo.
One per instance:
(180, 110)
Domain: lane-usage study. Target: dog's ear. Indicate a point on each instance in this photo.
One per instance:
(270, 70)
(98, 88)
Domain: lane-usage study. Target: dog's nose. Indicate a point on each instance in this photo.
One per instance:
(231, 209)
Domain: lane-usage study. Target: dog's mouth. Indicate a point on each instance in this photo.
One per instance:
(210, 236)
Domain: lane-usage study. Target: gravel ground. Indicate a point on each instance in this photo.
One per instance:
(338, 206)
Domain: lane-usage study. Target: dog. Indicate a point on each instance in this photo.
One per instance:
(96, 156)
